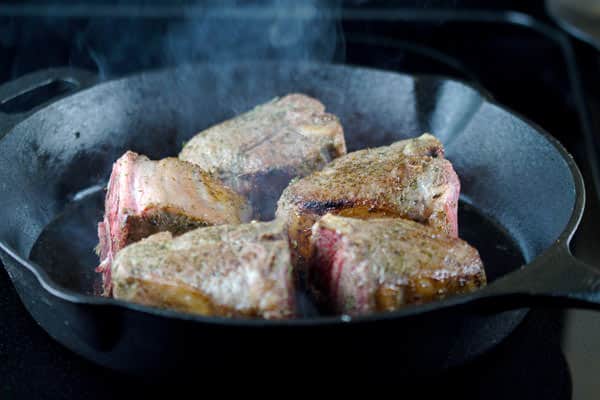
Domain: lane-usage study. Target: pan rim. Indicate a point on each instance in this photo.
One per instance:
(564, 238)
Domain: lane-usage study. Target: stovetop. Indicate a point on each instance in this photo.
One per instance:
(519, 58)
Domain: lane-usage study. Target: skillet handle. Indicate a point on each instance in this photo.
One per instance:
(23, 96)
(555, 278)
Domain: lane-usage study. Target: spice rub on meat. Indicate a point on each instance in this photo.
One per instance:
(227, 270)
(145, 197)
(383, 264)
(409, 179)
(257, 153)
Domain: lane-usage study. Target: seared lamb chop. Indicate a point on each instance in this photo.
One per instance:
(409, 179)
(384, 263)
(145, 197)
(257, 153)
(228, 270)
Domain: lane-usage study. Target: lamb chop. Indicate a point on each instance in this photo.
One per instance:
(409, 179)
(145, 197)
(228, 270)
(385, 263)
(257, 153)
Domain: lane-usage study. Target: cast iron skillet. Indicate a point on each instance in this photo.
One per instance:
(522, 199)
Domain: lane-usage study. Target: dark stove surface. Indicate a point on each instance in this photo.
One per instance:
(518, 58)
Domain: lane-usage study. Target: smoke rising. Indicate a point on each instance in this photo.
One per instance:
(121, 38)
(247, 31)
(241, 30)
(218, 32)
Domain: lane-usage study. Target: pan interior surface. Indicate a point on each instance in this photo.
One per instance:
(71, 263)
(518, 191)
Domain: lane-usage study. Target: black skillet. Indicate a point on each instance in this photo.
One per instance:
(522, 199)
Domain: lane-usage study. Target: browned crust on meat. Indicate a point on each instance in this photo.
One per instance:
(145, 197)
(227, 270)
(396, 261)
(154, 220)
(300, 222)
(423, 288)
(258, 152)
(174, 296)
(385, 181)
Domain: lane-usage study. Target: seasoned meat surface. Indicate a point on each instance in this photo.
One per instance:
(383, 264)
(409, 179)
(145, 197)
(228, 270)
(257, 153)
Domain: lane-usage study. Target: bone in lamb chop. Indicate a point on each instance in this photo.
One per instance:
(385, 263)
(409, 179)
(145, 197)
(228, 270)
(259, 152)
